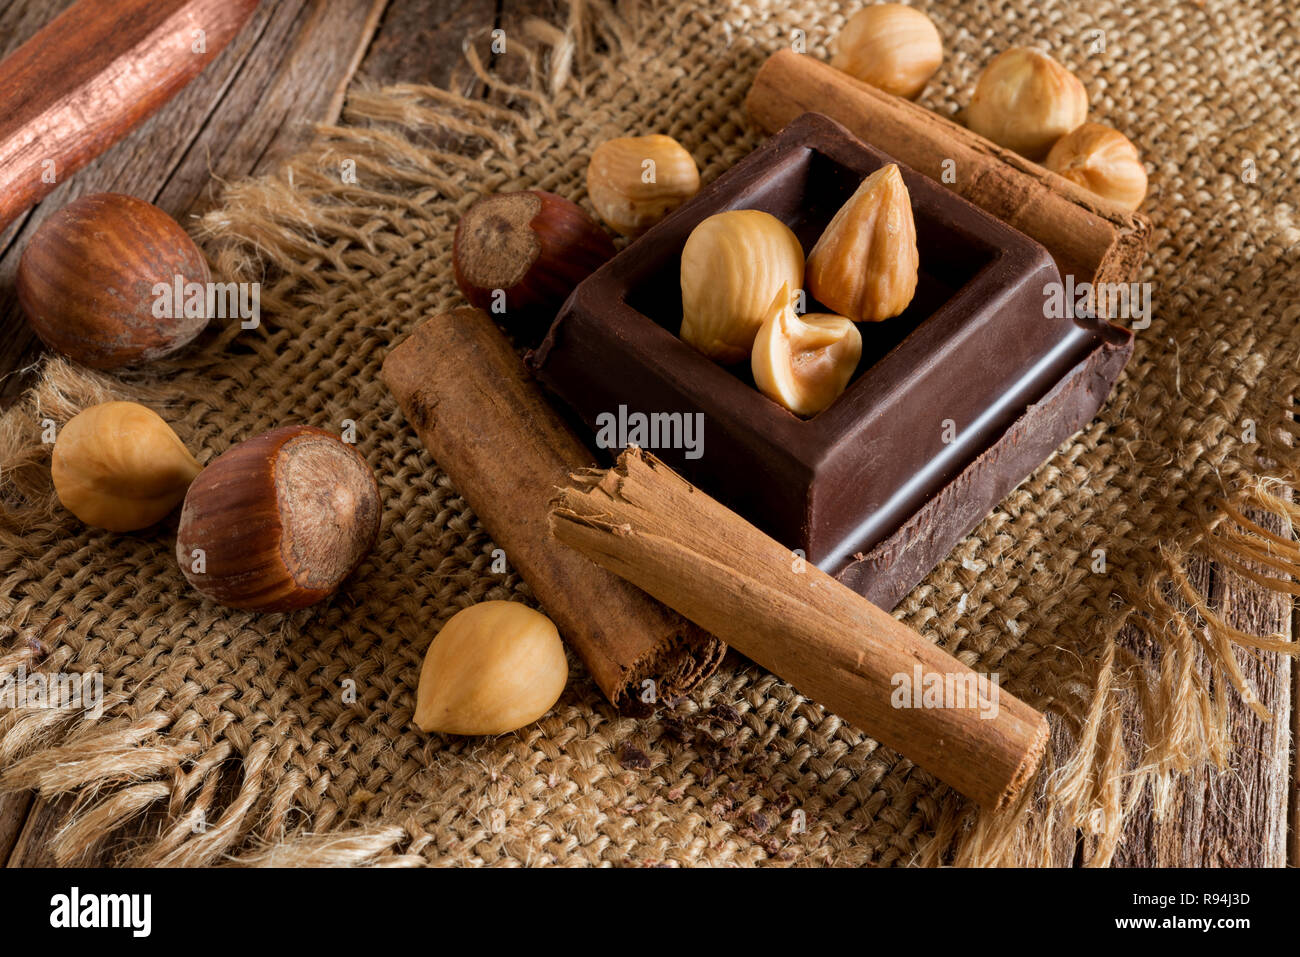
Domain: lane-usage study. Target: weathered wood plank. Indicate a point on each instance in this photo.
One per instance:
(320, 52)
(288, 62)
(20, 21)
(13, 815)
(1238, 817)
(420, 41)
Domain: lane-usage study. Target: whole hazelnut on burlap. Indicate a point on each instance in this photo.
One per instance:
(279, 521)
(89, 282)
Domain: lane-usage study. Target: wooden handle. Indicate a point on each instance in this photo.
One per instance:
(485, 421)
(1088, 238)
(648, 525)
(92, 74)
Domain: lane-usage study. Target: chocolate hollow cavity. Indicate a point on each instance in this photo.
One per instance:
(279, 521)
(953, 403)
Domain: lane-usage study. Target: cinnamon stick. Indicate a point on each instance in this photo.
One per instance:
(483, 419)
(645, 523)
(1089, 238)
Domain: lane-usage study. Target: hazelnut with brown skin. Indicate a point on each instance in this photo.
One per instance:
(519, 255)
(87, 281)
(279, 521)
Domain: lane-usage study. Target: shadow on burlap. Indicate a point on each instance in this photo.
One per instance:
(230, 736)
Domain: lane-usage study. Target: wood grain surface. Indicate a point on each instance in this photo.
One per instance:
(256, 102)
(90, 76)
(1238, 818)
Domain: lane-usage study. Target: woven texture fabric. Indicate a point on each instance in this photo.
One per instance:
(232, 736)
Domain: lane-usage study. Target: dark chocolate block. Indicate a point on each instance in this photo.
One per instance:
(953, 404)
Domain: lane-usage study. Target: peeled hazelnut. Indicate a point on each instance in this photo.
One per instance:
(277, 522)
(1026, 101)
(495, 667)
(891, 46)
(119, 466)
(804, 363)
(523, 253)
(865, 264)
(635, 181)
(87, 281)
(733, 264)
(1102, 160)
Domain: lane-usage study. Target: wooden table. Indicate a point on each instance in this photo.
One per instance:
(252, 106)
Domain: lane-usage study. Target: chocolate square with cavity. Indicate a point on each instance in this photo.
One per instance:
(952, 405)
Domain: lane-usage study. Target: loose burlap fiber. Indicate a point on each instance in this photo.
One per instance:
(232, 736)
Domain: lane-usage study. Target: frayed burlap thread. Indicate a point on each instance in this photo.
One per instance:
(231, 737)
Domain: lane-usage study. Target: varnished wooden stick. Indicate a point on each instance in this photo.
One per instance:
(93, 73)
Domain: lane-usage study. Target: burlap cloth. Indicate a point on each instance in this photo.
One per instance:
(230, 736)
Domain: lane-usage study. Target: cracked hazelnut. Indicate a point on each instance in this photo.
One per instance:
(804, 362)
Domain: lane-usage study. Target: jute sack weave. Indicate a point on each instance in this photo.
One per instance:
(231, 736)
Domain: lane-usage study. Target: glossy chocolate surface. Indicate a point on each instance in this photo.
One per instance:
(953, 404)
